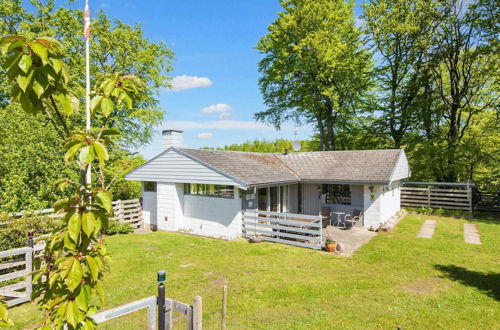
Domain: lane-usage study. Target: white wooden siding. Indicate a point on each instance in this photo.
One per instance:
(372, 207)
(175, 167)
(402, 169)
(390, 201)
(212, 216)
(168, 206)
(149, 207)
(310, 198)
(293, 198)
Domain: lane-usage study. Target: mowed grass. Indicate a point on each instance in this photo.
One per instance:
(395, 279)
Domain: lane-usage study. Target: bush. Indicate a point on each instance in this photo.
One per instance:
(115, 227)
(14, 231)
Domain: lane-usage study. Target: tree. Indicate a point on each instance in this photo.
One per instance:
(465, 74)
(314, 68)
(400, 31)
(28, 182)
(75, 258)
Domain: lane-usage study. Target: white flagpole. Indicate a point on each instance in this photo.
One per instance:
(87, 92)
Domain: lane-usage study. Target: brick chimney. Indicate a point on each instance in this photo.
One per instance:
(172, 138)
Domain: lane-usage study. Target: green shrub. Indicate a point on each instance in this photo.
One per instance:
(116, 227)
(14, 231)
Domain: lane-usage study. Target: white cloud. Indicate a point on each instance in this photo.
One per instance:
(183, 82)
(216, 125)
(216, 108)
(224, 115)
(204, 135)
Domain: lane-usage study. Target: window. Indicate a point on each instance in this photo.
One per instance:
(337, 193)
(149, 186)
(209, 190)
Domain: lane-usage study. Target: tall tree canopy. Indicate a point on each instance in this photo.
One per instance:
(314, 69)
(115, 47)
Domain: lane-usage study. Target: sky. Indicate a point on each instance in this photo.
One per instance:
(215, 74)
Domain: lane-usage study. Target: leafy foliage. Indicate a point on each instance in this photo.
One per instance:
(75, 258)
(13, 230)
(27, 183)
(116, 227)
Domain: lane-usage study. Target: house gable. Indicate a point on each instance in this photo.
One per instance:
(175, 166)
(401, 168)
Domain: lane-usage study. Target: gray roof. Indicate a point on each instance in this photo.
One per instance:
(254, 168)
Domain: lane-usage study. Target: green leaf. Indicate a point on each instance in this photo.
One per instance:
(108, 87)
(94, 269)
(25, 63)
(106, 106)
(53, 279)
(68, 243)
(75, 103)
(40, 50)
(88, 223)
(87, 154)
(73, 315)
(75, 275)
(57, 64)
(26, 103)
(95, 102)
(101, 152)
(61, 204)
(72, 150)
(12, 60)
(38, 88)
(74, 226)
(105, 199)
(66, 103)
(82, 300)
(24, 81)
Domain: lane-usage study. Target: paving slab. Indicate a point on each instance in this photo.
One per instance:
(351, 239)
(471, 234)
(427, 229)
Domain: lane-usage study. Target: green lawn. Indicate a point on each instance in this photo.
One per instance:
(396, 279)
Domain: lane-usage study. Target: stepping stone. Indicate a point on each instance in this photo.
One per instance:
(427, 229)
(471, 234)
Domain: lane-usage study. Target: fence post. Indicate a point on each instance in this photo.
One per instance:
(30, 260)
(428, 196)
(224, 307)
(197, 313)
(469, 196)
(161, 278)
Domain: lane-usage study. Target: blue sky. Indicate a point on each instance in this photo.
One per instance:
(214, 45)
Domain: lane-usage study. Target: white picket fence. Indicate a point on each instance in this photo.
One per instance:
(287, 228)
(16, 266)
(125, 211)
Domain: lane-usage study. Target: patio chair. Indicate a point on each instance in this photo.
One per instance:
(356, 216)
(326, 215)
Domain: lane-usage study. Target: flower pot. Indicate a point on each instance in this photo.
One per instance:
(331, 246)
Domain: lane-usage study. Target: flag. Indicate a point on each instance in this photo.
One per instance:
(86, 22)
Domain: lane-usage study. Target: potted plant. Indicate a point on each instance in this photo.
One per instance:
(330, 244)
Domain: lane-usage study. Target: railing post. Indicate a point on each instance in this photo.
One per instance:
(428, 196)
(30, 261)
(469, 197)
(161, 278)
(197, 313)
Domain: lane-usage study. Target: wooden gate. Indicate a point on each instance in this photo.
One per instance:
(287, 228)
(16, 266)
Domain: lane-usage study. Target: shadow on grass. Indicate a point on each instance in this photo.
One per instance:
(489, 283)
(487, 217)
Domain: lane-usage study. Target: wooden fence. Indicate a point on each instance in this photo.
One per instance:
(16, 266)
(125, 211)
(490, 201)
(287, 228)
(450, 199)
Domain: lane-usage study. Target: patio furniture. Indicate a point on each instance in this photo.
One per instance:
(339, 218)
(326, 214)
(356, 216)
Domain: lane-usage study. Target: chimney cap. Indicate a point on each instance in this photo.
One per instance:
(171, 131)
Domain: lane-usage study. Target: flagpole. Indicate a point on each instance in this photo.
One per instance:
(87, 78)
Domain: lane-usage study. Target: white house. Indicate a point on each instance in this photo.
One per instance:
(205, 191)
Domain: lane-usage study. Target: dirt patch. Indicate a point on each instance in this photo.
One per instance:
(427, 286)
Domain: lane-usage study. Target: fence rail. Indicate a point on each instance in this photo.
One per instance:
(490, 201)
(16, 266)
(452, 199)
(125, 211)
(287, 228)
